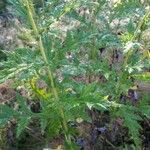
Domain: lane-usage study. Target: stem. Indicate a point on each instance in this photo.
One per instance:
(141, 23)
(136, 36)
(94, 50)
(50, 75)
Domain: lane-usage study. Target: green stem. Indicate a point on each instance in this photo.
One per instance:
(141, 23)
(50, 75)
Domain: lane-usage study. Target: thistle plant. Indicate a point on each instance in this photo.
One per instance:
(73, 47)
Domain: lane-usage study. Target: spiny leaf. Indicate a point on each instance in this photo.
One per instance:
(6, 114)
(131, 121)
(21, 125)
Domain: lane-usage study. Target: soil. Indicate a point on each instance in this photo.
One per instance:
(7, 94)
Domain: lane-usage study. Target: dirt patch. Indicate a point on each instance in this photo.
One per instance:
(7, 94)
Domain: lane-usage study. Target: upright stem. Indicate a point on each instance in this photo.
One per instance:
(50, 75)
(136, 36)
(141, 23)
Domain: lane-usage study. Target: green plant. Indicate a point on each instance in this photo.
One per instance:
(3, 4)
(68, 41)
(2, 56)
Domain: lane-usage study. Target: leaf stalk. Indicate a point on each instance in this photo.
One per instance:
(50, 74)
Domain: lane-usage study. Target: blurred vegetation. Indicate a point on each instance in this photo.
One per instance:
(2, 55)
(3, 4)
(38, 3)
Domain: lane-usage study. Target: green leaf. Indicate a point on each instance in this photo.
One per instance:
(6, 114)
(54, 127)
(142, 77)
(131, 121)
(21, 125)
